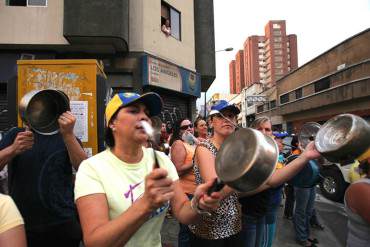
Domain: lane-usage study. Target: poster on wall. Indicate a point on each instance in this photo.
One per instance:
(80, 110)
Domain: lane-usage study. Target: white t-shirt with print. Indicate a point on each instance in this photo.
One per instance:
(123, 184)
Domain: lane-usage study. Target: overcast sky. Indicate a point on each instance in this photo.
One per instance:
(318, 24)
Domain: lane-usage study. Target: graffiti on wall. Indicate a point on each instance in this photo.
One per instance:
(68, 82)
(170, 116)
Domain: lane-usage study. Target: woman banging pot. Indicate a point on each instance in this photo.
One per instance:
(121, 198)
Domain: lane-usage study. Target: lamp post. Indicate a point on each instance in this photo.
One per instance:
(205, 92)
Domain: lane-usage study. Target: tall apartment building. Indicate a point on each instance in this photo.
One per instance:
(268, 58)
(232, 77)
(124, 35)
(239, 71)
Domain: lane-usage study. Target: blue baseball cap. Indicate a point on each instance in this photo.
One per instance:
(223, 105)
(152, 101)
(280, 135)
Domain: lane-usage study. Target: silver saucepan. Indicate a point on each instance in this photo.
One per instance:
(246, 160)
(40, 109)
(343, 138)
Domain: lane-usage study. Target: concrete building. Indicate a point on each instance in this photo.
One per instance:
(239, 71)
(268, 58)
(232, 77)
(335, 82)
(125, 35)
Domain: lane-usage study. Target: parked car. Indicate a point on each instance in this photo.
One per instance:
(336, 178)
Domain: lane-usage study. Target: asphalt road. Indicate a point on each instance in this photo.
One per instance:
(331, 215)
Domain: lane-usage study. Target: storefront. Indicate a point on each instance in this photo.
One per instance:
(178, 87)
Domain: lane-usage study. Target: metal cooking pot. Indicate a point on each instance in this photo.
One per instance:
(246, 160)
(308, 133)
(40, 109)
(343, 138)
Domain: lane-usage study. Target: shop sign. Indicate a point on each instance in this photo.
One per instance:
(159, 73)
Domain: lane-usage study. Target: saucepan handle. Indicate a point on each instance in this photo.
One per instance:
(216, 186)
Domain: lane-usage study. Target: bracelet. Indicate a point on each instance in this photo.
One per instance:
(195, 206)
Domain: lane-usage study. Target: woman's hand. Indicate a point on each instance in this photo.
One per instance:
(66, 123)
(205, 202)
(158, 189)
(311, 152)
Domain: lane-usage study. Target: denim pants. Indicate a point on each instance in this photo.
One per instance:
(270, 226)
(289, 200)
(252, 230)
(304, 199)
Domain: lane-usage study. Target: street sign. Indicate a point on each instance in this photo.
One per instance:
(256, 98)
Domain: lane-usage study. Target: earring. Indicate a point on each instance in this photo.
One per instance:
(112, 127)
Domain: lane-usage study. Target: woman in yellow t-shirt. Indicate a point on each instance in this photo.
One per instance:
(123, 193)
(12, 232)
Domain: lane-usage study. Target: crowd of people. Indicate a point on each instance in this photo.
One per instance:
(120, 197)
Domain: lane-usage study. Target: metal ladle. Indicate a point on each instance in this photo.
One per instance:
(150, 132)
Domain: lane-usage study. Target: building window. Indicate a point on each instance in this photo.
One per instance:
(278, 52)
(260, 108)
(277, 39)
(272, 104)
(298, 93)
(322, 85)
(172, 17)
(278, 65)
(278, 45)
(28, 3)
(284, 98)
(277, 32)
(278, 58)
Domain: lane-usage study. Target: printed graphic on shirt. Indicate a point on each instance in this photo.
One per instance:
(130, 194)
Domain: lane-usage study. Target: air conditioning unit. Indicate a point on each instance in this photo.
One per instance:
(27, 56)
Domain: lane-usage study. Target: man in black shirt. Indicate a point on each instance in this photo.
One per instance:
(41, 181)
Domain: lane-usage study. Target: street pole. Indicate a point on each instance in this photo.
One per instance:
(205, 104)
(205, 92)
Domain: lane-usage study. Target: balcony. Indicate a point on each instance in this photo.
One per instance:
(95, 24)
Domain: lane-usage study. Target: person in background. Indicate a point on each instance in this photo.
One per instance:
(289, 193)
(12, 233)
(163, 140)
(255, 206)
(182, 157)
(289, 189)
(123, 193)
(305, 195)
(357, 205)
(166, 28)
(41, 181)
(222, 228)
(200, 129)
(275, 196)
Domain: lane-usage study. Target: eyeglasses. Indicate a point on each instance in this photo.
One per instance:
(185, 127)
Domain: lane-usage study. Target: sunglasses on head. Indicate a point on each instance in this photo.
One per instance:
(185, 127)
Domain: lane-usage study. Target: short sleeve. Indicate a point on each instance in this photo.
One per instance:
(87, 181)
(9, 137)
(9, 214)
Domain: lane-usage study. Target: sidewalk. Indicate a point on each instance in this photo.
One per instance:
(285, 236)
